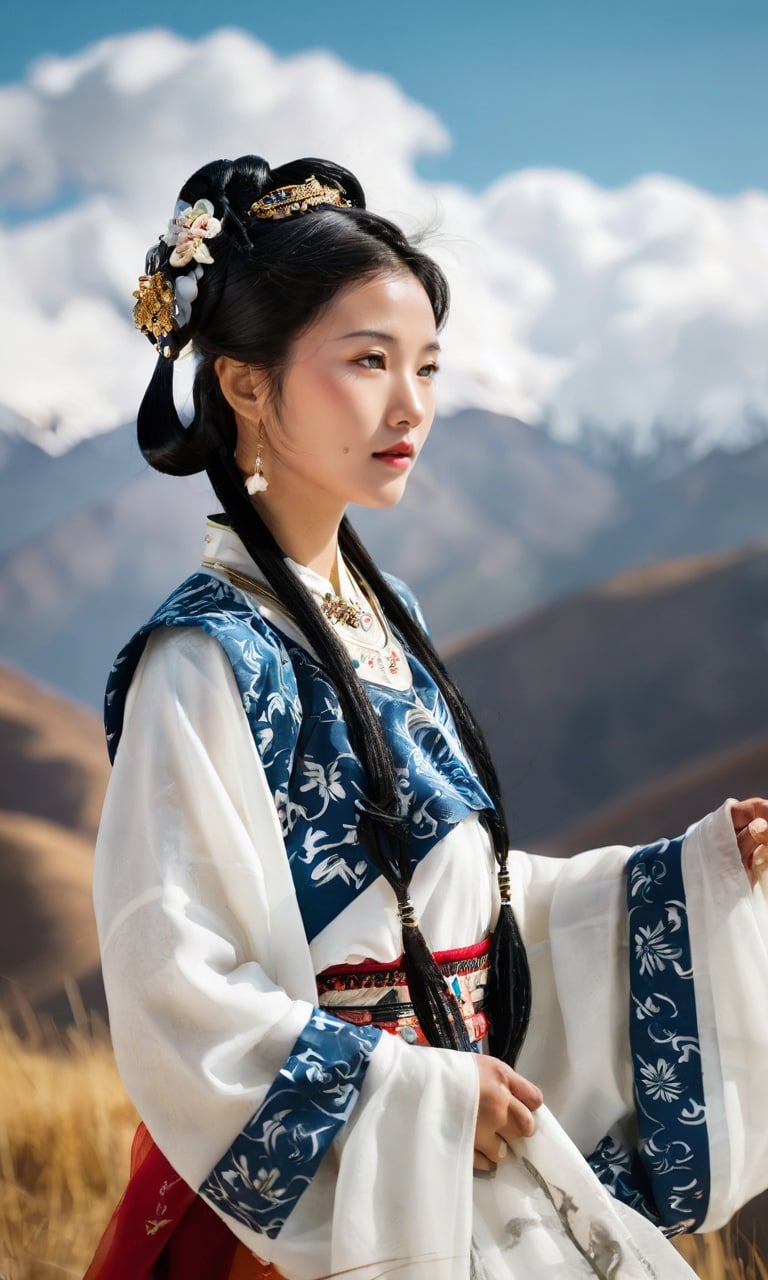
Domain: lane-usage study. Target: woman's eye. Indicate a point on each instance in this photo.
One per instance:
(376, 360)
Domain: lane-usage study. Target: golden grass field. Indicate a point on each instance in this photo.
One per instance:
(65, 1133)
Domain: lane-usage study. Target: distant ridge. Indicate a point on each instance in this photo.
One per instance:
(49, 954)
(616, 689)
(498, 519)
(53, 772)
(667, 808)
(53, 758)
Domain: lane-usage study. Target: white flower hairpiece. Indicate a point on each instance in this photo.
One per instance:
(163, 302)
(188, 229)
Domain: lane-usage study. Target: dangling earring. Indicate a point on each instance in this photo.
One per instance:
(257, 482)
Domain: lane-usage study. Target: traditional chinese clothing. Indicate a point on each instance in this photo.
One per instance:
(228, 877)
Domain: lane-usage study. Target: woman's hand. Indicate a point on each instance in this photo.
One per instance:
(504, 1111)
(750, 822)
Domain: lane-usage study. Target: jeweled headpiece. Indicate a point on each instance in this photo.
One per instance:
(164, 299)
(285, 202)
(164, 302)
(154, 310)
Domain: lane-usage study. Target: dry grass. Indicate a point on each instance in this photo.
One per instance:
(65, 1132)
(723, 1255)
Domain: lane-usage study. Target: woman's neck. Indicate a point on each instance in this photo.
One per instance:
(310, 542)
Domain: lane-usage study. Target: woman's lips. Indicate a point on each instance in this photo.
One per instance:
(398, 456)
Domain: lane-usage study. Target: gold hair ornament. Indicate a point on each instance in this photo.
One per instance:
(284, 202)
(164, 302)
(153, 313)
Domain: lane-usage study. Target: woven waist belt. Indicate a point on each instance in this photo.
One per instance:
(375, 994)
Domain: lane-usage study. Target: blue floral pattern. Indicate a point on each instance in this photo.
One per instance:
(272, 1161)
(668, 1177)
(296, 720)
(621, 1170)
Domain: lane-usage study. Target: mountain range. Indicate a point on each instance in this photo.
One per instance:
(499, 519)
(647, 681)
(53, 772)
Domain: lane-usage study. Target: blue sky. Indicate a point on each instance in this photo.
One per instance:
(604, 207)
(608, 88)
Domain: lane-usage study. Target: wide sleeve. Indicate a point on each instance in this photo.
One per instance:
(650, 1023)
(264, 1104)
(728, 925)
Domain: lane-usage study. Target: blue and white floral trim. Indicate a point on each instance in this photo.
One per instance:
(299, 730)
(673, 1142)
(274, 1158)
(620, 1169)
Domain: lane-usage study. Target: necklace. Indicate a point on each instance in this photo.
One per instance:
(369, 659)
(348, 613)
(340, 609)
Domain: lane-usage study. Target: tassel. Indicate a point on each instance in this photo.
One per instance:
(434, 1004)
(508, 994)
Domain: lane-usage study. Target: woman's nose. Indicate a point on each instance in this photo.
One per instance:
(407, 406)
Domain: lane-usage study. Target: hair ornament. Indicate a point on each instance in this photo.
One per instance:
(188, 229)
(164, 305)
(285, 202)
(184, 294)
(154, 310)
(164, 302)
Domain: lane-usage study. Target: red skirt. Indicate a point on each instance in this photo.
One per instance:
(162, 1230)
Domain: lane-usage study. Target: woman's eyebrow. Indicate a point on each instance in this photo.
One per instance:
(380, 336)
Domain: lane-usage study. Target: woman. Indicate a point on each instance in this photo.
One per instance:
(302, 874)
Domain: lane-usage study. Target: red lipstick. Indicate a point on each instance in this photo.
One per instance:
(398, 456)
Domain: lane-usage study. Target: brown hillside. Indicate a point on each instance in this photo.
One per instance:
(622, 686)
(668, 808)
(47, 931)
(53, 771)
(53, 761)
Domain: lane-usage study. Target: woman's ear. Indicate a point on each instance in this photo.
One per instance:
(243, 387)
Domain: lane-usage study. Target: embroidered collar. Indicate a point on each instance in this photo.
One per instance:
(376, 655)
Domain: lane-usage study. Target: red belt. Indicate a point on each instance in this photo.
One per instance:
(387, 999)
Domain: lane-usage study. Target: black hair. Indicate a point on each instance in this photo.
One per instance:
(269, 280)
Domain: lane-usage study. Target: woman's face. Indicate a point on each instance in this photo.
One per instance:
(357, 401)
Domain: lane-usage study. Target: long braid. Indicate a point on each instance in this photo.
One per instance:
(508, 997)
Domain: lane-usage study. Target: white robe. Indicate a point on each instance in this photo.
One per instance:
(210, 981)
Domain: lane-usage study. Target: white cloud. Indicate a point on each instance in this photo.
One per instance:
(630, 308)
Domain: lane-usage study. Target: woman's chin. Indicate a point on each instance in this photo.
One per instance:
(386, 493)
(388, 497)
